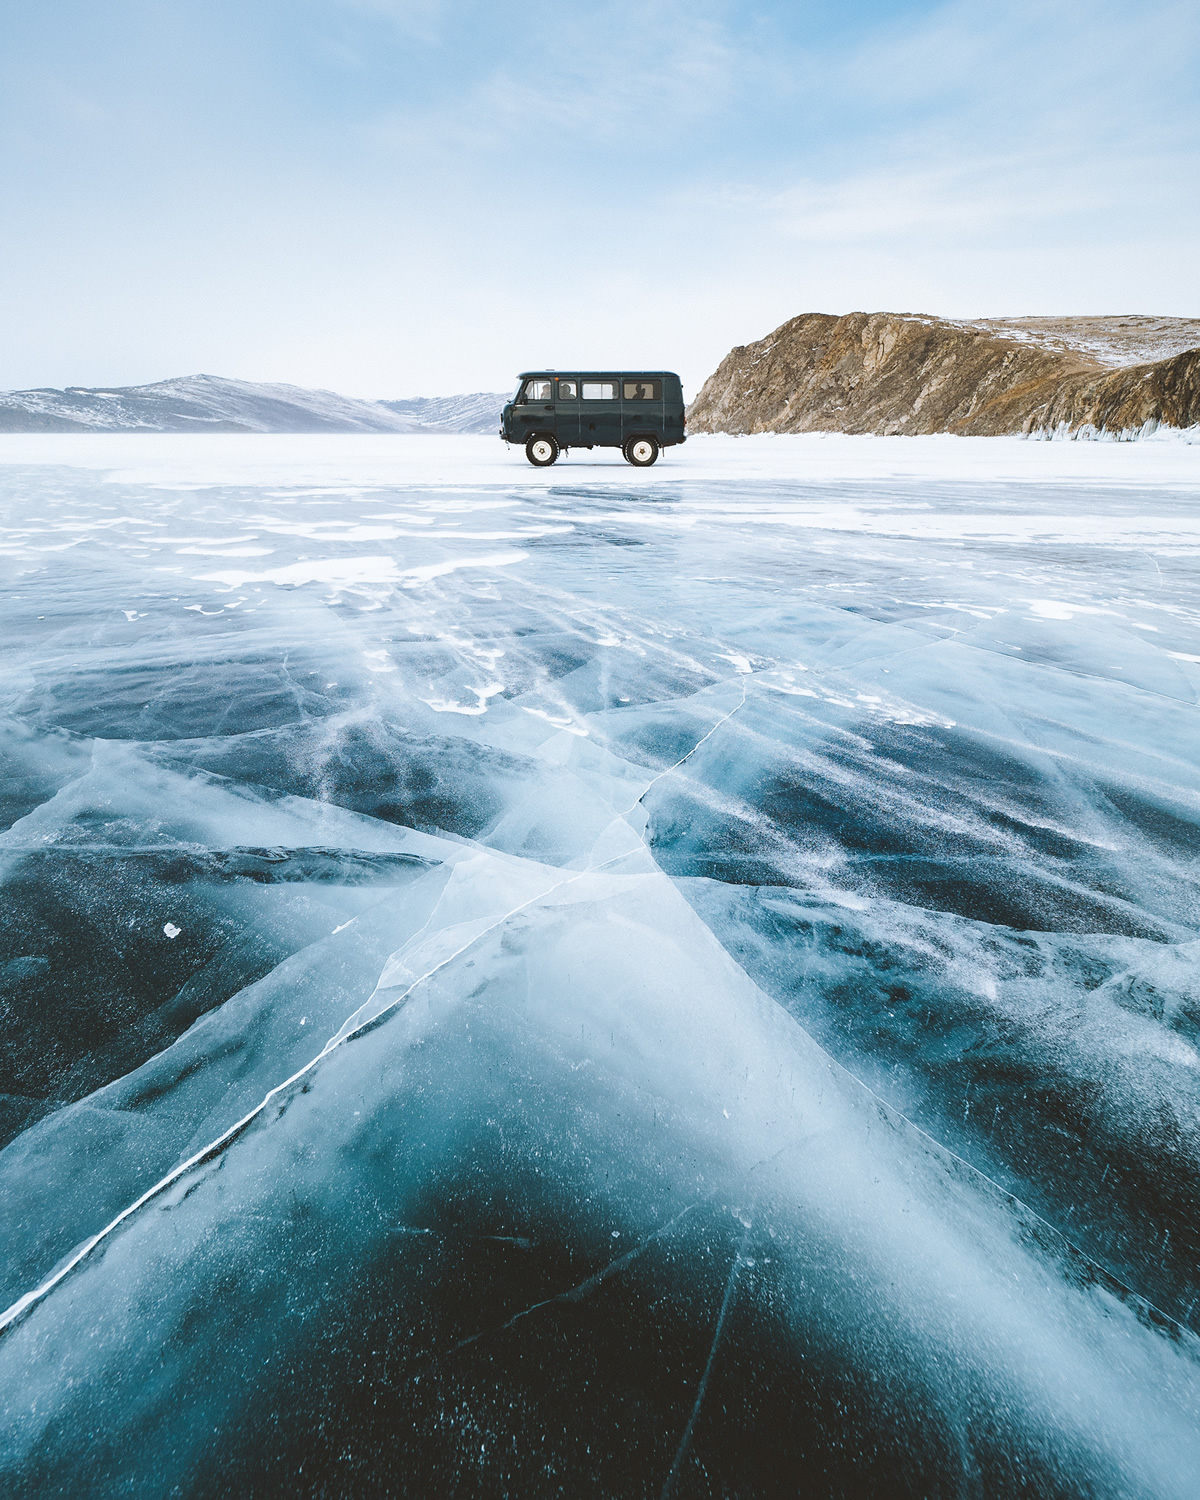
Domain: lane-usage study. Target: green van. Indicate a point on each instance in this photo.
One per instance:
(639, 412)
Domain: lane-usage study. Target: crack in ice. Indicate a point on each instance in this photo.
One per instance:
(583, 1289)
(724, 719)
(739, 1261)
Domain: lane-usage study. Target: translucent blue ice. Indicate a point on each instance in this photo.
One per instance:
(598, 984)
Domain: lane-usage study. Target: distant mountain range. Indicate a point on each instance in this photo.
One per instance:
(911, 373)
(819, 372)
(209, 403)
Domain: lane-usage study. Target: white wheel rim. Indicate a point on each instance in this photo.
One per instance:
(542, 450)
(642, 451)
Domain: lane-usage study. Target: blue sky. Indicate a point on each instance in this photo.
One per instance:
(403, 197)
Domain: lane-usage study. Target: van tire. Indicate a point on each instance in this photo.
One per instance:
(641, 452)
(541, 450)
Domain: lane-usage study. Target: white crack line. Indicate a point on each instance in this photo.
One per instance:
(724, 719)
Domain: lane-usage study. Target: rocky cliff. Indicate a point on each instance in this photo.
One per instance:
(908, 373)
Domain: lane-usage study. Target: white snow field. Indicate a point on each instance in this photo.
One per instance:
(600, 982)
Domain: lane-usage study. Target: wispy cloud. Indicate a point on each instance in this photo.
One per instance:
(1000, 125)
(630, 79)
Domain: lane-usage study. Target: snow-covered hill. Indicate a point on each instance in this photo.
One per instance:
(479, 412)
(211, 403)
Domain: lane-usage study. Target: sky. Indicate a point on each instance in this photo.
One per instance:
(395, 198)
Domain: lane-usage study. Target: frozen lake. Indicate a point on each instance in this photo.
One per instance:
(600, 982)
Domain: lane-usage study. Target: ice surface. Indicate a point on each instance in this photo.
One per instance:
(600, 983)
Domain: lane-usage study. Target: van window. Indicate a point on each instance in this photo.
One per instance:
(538, 390)
(643, 390)
(566, 390)
(599, 390)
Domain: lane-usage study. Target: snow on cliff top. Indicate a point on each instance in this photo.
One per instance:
(1115, 340)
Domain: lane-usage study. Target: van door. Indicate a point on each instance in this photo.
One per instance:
(535, 409)
(600, 411)
(642, 405)
(566, 410)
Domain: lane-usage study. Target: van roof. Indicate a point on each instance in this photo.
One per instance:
(575, 373)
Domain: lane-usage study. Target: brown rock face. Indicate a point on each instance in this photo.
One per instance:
(907, 373)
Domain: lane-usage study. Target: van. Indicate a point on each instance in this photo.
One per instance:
(640, 412)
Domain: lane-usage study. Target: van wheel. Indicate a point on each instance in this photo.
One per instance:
(541, 451)
(641, 451)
